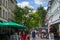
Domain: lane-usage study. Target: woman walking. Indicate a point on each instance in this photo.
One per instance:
(23, 36)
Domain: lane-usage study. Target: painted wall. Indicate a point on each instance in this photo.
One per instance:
(54, 11)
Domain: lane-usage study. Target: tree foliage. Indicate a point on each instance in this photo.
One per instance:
(42, 13)
(33, 20)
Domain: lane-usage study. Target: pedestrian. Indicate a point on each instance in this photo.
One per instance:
(19, 35)
(23, 36)
(14, 37)
(28, 35)
(33, 35)
(55, 34)
(40, 32)
(51, 34)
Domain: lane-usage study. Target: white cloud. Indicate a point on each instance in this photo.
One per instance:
(24, 4)
(39, 2)
(45, 8)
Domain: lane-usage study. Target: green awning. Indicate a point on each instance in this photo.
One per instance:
(12, 24)
(1, 23)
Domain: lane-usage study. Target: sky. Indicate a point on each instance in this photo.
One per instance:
(32, 3)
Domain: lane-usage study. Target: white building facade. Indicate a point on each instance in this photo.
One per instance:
(6, 9)
(54, 13)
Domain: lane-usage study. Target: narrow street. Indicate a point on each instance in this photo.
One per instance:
(29, 19)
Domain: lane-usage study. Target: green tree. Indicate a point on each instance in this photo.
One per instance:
(42, 13)
(20, 15)
(33, 20)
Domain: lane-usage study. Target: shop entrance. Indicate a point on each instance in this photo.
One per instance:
(55, 29)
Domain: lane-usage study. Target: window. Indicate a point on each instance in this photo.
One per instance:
(3, 2)
(10, 16)
(0, 12)
(6, 15)
(3, 13)
(6, 5)
(12, 1)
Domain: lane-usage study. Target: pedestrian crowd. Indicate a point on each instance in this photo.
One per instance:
(24, 35)
(27, 35)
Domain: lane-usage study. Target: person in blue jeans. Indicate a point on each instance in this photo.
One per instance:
(33, 35)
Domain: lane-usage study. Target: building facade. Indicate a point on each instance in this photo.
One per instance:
(54, 13)
(6, 9)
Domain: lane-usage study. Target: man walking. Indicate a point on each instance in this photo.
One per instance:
(33, 35)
